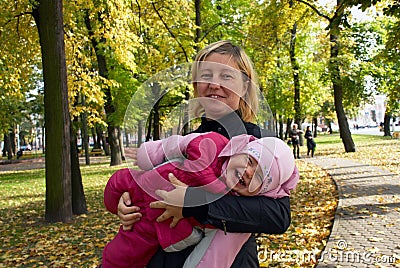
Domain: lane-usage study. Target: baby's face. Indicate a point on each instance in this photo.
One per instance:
(241, 170)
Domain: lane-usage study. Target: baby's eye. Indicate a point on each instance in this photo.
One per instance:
(250, 161)
(237, 174)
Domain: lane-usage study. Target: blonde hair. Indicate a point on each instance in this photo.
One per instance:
(248, 104)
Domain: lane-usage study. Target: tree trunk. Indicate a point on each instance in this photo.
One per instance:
(78, 195)
(156, 88)
(296, 80)
(7, 146)
(156, 122)
(85, 135)
(109, 108)
(102, 139)
(186, 121)
(150, 124)
(197, 8)
(344, 130)
(121, 143)
(49, 20)
(386, 124)
(127, 138)
(334, 31)
(14, 140)
(140, 133)
(43, 140)
(96, 139)
(315, 123)
(280, 122)
(113, 141)
(288, 127)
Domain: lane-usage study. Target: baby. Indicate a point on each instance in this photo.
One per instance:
(243, 165)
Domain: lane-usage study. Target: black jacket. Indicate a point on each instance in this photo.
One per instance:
(256, 214)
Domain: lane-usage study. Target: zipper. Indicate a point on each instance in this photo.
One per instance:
(224, 224)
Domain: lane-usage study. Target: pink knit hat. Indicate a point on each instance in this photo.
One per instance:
(272, 154)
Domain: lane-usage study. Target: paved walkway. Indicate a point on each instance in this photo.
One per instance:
(366, 230)
(36, 163)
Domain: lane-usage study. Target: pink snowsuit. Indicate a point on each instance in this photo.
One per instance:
(135, 248)
(201, 166)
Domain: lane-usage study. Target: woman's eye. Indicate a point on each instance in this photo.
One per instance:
(227, 76)
(206, 76)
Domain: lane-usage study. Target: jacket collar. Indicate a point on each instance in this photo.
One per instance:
(230, 125)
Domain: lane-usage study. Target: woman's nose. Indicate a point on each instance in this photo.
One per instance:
(214, 84)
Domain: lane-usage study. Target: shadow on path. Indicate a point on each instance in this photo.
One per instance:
(366, 229)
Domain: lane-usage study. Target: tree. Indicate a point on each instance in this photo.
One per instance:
(334, 27)
(48, 16)
(388, 61)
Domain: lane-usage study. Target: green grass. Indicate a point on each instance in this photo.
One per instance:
(379, 151)
(334, 139)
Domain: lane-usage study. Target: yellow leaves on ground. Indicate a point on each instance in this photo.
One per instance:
(27, 241)
(313, 205)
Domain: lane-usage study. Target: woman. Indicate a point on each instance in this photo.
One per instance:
(310, 142)
(294, 134)
(225, 83)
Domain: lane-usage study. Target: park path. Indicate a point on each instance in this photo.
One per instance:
(36, 163)
(366, 229)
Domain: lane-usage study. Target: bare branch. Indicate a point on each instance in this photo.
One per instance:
(211, 29)
(15, 17)
(170, 32)
(319, 13)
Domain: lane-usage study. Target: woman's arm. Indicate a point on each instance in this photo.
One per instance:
(256, 214)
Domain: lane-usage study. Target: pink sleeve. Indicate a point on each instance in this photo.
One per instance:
(117, 184)
(150, 154)
(153, 153)
(200, 168)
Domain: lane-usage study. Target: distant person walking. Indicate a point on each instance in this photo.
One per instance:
(311, 144)
(294, 134)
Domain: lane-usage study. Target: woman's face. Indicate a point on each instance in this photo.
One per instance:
(240, 171)
(220, 85)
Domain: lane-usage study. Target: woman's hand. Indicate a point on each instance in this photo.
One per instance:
(127, 213)
(172, 201)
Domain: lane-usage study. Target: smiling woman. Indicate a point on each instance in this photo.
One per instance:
(227, 102)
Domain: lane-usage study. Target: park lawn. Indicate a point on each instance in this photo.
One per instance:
(379, 151)
(30, 242)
